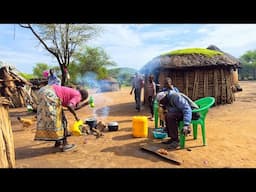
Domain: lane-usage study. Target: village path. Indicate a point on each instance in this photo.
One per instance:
(230, 129)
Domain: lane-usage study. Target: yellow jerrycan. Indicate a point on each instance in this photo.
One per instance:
(140, 126)
(76, 128)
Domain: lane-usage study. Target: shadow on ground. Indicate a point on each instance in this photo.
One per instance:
(113, 110)
(34, 151)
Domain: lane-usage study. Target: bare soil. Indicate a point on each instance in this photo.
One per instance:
(230, 130)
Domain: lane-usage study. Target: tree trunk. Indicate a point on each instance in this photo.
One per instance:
(64, 80)
(7, 153)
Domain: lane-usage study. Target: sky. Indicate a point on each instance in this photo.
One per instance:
(131, 45)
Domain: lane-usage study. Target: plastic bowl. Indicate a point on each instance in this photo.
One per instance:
(159, 129)
(159, 134)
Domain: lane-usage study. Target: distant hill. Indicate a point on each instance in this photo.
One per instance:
(127, 70)
(122, 70)
(122, 74)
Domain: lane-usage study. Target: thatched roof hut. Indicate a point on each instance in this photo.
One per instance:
(109, 84)
(197, 72)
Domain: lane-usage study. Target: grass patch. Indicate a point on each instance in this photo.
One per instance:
(202, 51)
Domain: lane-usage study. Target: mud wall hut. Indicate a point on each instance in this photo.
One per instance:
(108, 84)
(196, 72)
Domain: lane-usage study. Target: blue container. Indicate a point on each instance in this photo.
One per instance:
(159, 133)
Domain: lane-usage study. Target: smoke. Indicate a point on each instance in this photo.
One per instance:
(104, 112)
(89, 79)
(151, 66)
(101, 112)
(101, 109)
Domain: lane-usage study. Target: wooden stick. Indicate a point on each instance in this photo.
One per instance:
(7, 153)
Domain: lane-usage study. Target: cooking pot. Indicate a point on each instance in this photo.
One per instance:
(113, 126)
(92, 122)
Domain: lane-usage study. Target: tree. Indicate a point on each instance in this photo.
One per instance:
(93, 60)
(248, 64)
(62, 40)
(39, 69)
(26, 75)
(115, 73)
(123, 75)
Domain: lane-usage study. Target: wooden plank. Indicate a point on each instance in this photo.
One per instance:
(229, 90)
(7, 153)
(195, 86)
(153, 149)
(232, 83)
(206, 83)
(224, 87)
(186, 83)
(215, 86)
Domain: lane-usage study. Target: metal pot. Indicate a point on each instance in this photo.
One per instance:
(113, 126)
(92, 122)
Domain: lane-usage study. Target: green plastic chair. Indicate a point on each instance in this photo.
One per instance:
(204, 105)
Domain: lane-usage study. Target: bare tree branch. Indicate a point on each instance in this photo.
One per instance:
(61, 40)
(37, 36)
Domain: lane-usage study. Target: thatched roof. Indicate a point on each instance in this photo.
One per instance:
(179, 59)
(213, 47)
(110, 80)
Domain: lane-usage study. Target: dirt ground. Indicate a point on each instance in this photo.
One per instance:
(230, 130)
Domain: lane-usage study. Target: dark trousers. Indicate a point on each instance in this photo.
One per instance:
(172, 122)
(65, 126)
(137, 94)
(150, 103)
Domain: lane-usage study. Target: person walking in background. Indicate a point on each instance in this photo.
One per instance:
(179, 108)
(151, 90)
(137, 85)
(51, 120)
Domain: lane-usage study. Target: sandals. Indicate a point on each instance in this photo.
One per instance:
(68, 147)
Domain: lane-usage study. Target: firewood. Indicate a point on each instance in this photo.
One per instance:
(7, 153)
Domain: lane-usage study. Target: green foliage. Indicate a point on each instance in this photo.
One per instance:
(249, 57)
(248, 70)
(62, 40)
(206, 52)
(74, 72)
(123, 75)
(114, 72)
(39, 69)
(27, 76)
(94, 60)
(102, 73)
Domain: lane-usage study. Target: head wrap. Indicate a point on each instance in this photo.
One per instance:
(46, 73)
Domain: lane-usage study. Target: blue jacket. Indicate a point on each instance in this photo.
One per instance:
(54, 80)
(178, 103)
(174, 89)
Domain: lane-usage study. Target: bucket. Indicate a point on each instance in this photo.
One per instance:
(140, 126)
